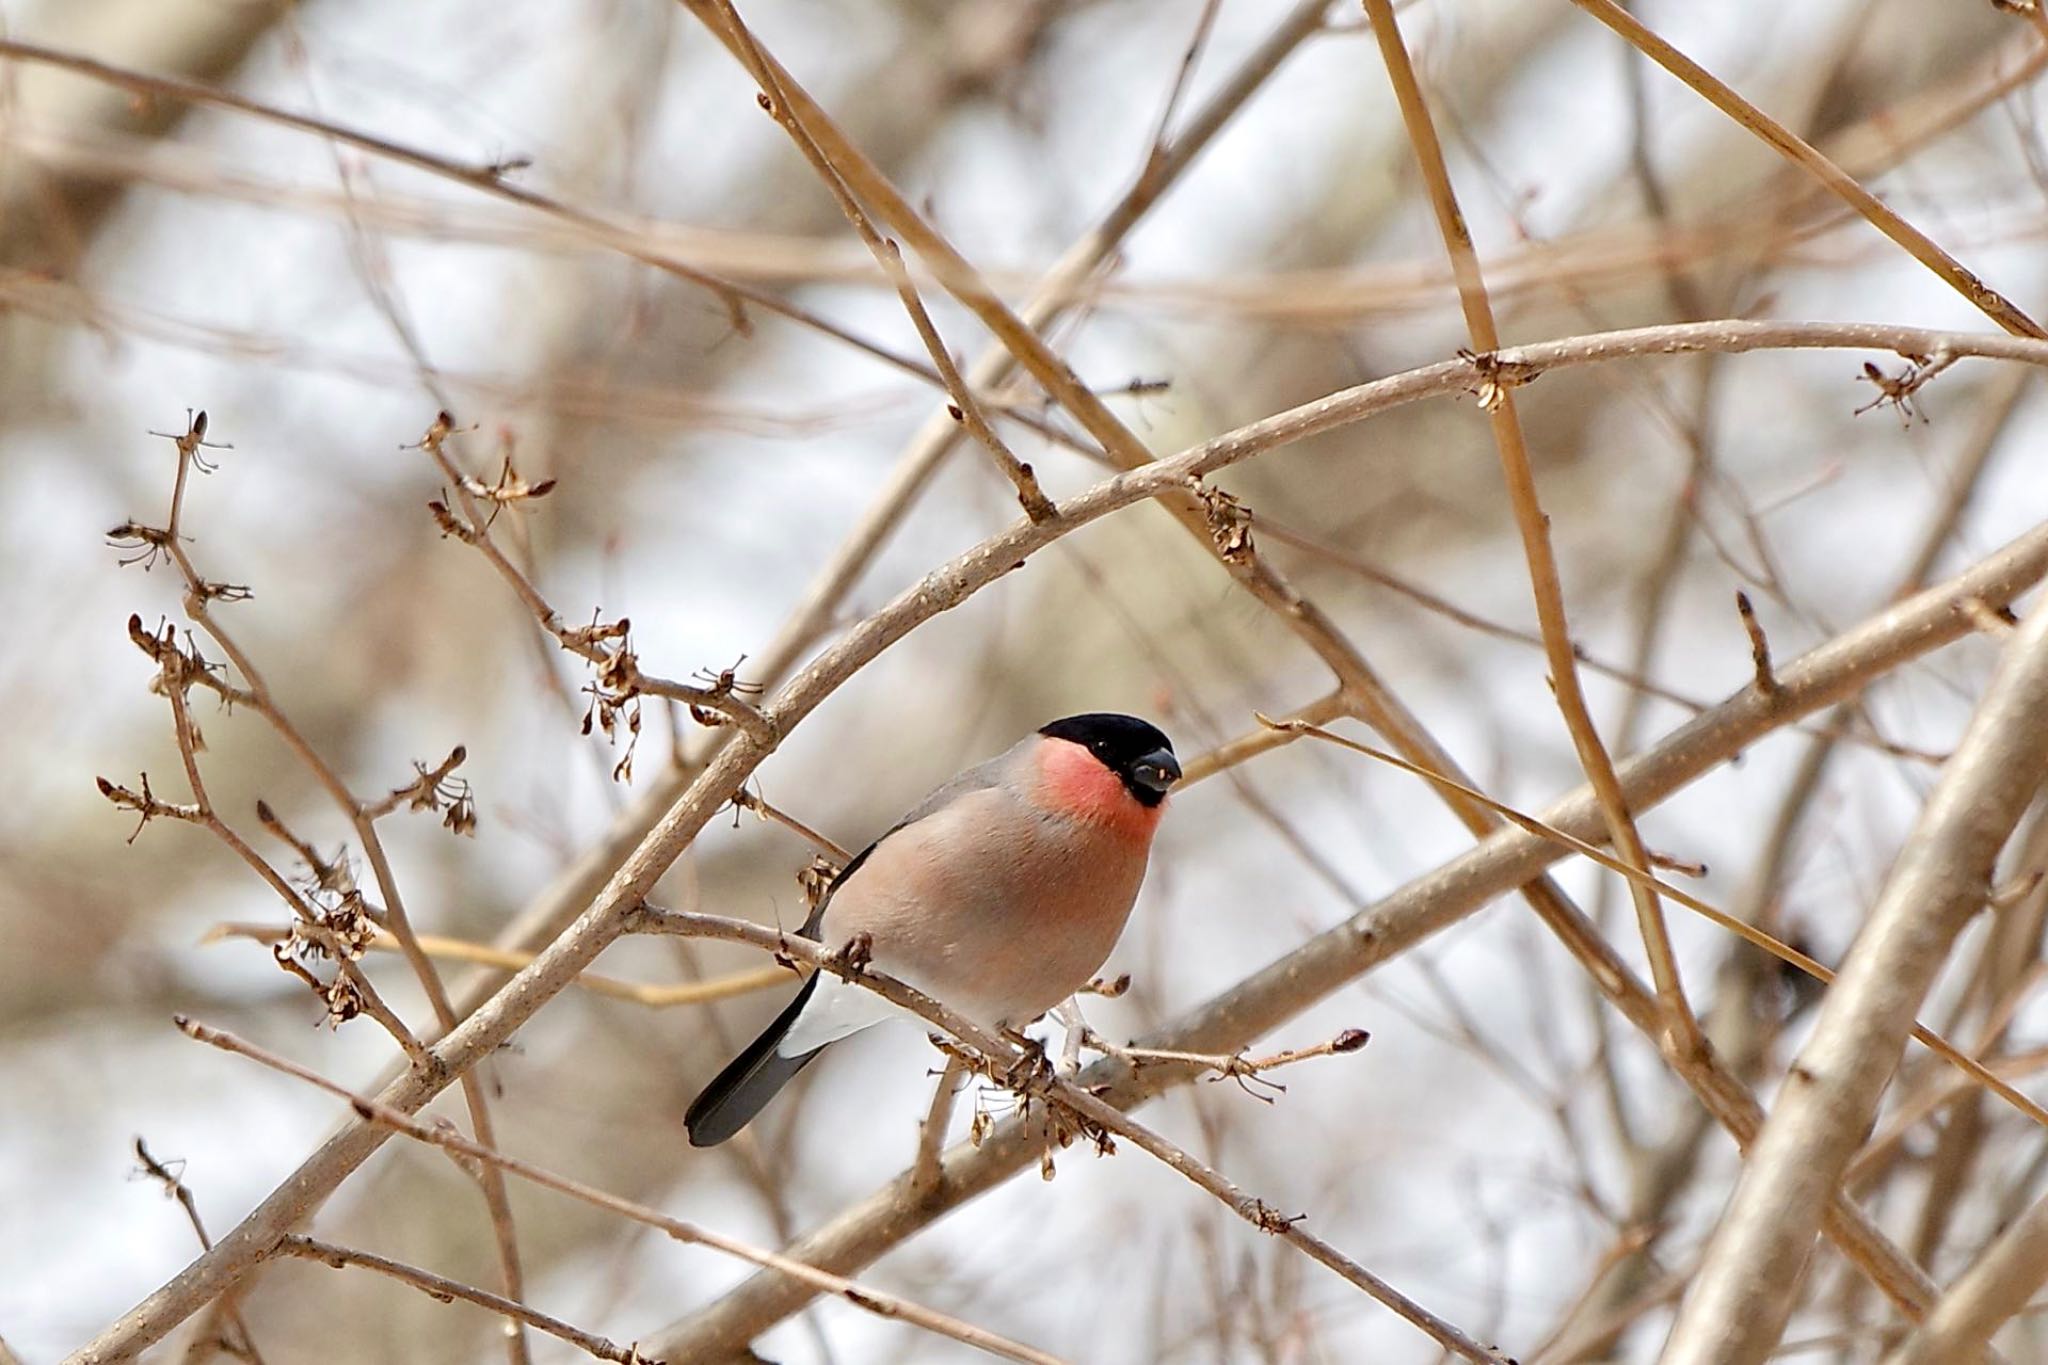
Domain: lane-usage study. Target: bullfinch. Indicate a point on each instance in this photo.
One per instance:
(1000, 894)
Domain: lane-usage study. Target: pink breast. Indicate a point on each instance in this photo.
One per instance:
(1074, 782)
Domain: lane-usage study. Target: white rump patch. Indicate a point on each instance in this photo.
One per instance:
(837, 1009)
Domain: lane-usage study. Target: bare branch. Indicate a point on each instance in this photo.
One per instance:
(1497, 398)
(651, 994)
(1759, 646)
(1027, 1072)
(350, 992)
(1995, 1288)
(447, 1290)
(1802, 154)
(1744, 1292)
(872, 1300)
(1905, 631)
(1749, 933)
(1321, 965)
(175, 1187)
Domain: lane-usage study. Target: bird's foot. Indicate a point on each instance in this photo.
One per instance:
(1031, 1070)
(854, 956)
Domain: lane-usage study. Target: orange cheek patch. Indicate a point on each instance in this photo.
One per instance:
(1077, 784)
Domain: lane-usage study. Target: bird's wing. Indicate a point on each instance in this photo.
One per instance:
(978, 778)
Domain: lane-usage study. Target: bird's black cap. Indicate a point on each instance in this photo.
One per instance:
(1135, 750)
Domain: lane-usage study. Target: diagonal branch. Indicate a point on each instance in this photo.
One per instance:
(1809, 158)
(890, 258)
(1996, 1287)
(1751, 1271)
(1502, 862)
(1497, 397)
(1742, 929)
(1027, 1074)
(370, 1111)
(442, 1288)
(1284, 988)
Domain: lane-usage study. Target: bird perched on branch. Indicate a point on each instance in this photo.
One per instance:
(1001, 894)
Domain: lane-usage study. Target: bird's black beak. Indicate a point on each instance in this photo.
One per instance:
(1156, 771)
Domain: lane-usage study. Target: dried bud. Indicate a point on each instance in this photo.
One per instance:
(461, 816)
(1230, 524)
(344, 1001)
(509, 488)
(448, 522)
(816, 878)
(209, 591)
(142, 543)
(1109, 990)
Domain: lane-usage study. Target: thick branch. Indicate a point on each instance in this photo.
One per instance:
(1751, 1273)
(1291, 984)
(2009, 1273)
(1509, 859)
(1498, 399)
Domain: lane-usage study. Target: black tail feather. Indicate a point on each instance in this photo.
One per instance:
(749, 1081)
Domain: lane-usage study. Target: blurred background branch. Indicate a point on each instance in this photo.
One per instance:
(687, 401)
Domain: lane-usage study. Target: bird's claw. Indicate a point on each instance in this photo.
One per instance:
(1031, 1069)
(855, 955)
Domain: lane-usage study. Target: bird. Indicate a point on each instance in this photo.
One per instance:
(1000, 894)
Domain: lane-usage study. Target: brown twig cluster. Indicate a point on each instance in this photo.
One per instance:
(561, 963)
(1804, 1105)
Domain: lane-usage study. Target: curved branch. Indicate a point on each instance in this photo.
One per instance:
(1820, 678)
(1752, 1269)
(1501, 863)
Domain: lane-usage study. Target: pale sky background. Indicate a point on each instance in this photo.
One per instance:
(723, 470)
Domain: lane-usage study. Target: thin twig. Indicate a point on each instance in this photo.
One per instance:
(748, 799)
(655, 995)
(1030, 1075)
(965, 406)
(1743, 1295)
(620, 680)
(1749, 933)
(1497, 397)
(174, 1186)
(925, 1170)
(1630, 677)
(442, 1288)
(1236, 1066)
(361, 995)
(872, 1300)
(200, 596)
(1906, 631)
(1804, 155)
